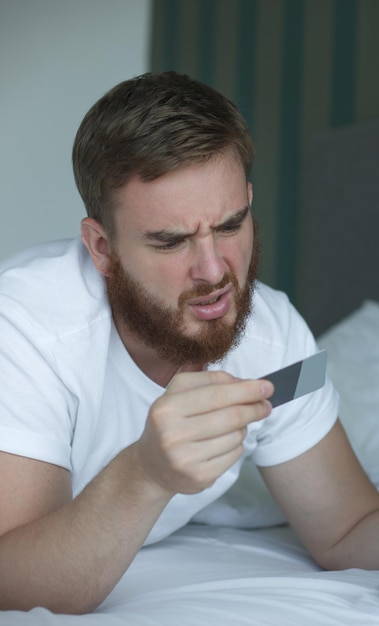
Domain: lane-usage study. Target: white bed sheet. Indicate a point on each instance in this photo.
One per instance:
(353, 364)
(208, 576)
(224, 576)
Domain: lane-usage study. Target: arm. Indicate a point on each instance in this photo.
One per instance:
(330, 503)
(64, 554)
(67, 554)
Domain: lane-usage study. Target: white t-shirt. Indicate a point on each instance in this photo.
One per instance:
(71, 395)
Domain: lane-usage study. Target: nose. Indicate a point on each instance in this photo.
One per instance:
(208, 264)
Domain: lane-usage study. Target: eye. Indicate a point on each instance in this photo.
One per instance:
(230, 227)
(234, 224)
(169, 245)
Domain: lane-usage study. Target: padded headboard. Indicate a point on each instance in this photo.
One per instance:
(340, 247)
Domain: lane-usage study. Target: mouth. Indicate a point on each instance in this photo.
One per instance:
(212, 306)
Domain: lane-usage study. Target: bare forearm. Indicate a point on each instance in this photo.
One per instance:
(70, 560)
(358, 549)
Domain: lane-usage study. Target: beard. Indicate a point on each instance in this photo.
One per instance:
(162, 328)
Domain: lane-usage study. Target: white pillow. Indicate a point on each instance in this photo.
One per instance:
(353, 365)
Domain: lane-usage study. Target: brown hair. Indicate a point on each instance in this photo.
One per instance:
(150, 125)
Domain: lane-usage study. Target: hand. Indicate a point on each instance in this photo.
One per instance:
(195, 430)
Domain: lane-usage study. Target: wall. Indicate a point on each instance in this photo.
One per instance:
(57, 57)
(294, 67)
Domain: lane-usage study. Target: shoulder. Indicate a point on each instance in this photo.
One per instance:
(53, 287)
(274, 320)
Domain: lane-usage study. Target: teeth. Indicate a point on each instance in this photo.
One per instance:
(208, 302)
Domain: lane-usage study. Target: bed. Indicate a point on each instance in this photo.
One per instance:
(253, 569)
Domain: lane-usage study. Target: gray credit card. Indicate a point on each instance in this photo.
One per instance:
(298, 379)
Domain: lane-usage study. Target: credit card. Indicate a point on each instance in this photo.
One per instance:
(298, 379)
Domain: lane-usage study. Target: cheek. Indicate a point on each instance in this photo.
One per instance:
(164, 279)
(238, 254)
(162, 276)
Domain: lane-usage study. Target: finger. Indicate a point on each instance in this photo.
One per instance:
(207, 472)
(228, 420)
(219, 446)
(185, 380)
(211, 397)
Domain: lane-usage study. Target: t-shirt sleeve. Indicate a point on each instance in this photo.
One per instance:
(35, 405)
(295, 427)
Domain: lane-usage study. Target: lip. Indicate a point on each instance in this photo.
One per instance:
(204, 309)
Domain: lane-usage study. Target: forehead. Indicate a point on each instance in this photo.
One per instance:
(195, 195)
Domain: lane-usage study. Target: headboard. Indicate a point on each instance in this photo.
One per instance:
(340, 244)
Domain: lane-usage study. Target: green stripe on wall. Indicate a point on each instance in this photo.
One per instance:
(246, 60)
(367, 61)
(294, 67)
(170, 40)
(266, 130)
(316, 100)
(226, 45)
(188, 38)
(343, 77)
(317, 83)
(164, 49)
(207, 13)
(289, 146)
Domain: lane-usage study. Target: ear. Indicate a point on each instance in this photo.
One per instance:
(250, 193)
(96, 241)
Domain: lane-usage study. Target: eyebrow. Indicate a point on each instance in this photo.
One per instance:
(169, 236)
(234, 220)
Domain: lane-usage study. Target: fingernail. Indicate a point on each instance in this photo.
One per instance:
(267, 388)
(268, 407)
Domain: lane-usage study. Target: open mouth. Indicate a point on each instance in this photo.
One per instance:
(212, 298)
(208, 302)
(215, 305)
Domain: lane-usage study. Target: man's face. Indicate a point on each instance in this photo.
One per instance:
(182, 269)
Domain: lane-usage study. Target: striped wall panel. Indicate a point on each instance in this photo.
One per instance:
(294, 67)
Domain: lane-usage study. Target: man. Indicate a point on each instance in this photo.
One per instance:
(130, 362)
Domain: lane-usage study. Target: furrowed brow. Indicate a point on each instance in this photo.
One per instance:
(165, 236)
(168, 236)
